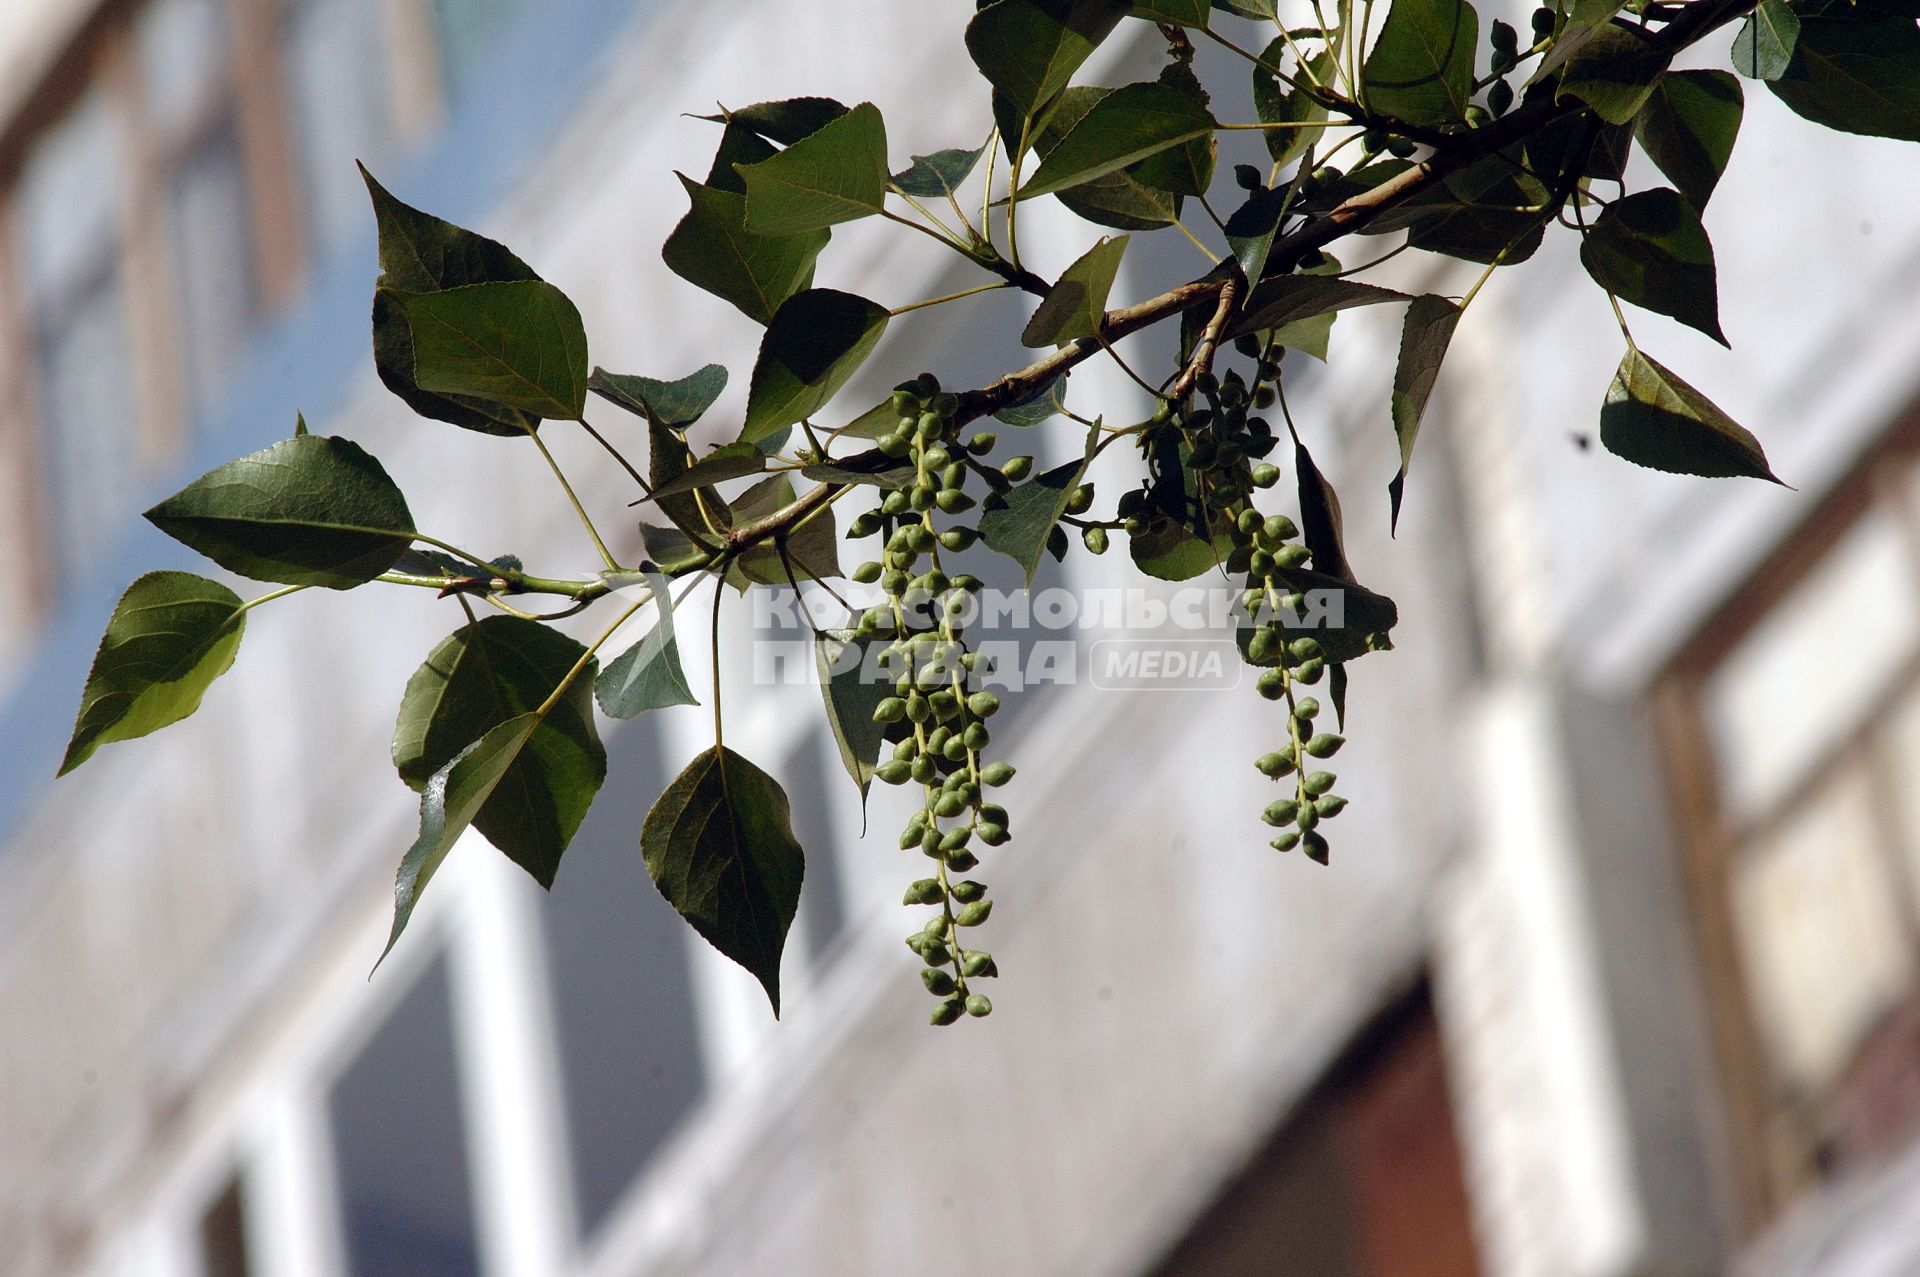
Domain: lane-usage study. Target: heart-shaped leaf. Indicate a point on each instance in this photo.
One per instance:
(785, 121)
(1421, 67)
(1649, 248)
(938, 175)
(712, 249)
(520, 344)
(1688, 128)
(836, 174)
(1285, 299)
(671, 403)
(1029, 49)
(1764, 47)
(1614, 71)
(1125, 126)
(170, 636)
(1856, 68)
(1077, 302)
(1654, 419)
(648, 674)
(1018, 522)
(719, 845)
(853, 687)
(311, 510)
(1424, 338)
(1276, 103)
(815, 342)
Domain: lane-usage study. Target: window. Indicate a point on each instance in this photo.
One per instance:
(622, 989)
(1363, 1180)
(68, 223)
(341, 101)
(1794, 726)
(400, 1147)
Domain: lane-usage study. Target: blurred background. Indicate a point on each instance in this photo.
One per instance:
(1616, 970)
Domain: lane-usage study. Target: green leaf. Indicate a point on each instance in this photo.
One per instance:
(1259, 10)
(448, 803)
(671, 403)
(1764, 47)
(728, 461)
(1421, 67)
(1856, 69)
(1320, 526)
(1250, 229)
(1481, 213)
(1284, 299)
(1654, 419)
(852, 694)
(1423, 345)
(520, 344)
(1650, 249)
(814, 343)
(834, 175)
(1126, 125)
(812, 551)
(1186, 169)
(1274, 103)
(712, 249)
(1029, 49)
(1583, 19)
(420, 253)
(938, 175)
(170, 636)
(1018, 522)
(738, 145)
(648, 674)
(1688, 128)
(1120, 199)
(1049, 401)
(1357, 620)
(786, 121)
(1180, 13)
(1313, 334)
(1077, 302)
(720, 847)
(1614, 71)
(482, 676)
(311, 510)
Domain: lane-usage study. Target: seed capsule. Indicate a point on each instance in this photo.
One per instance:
(1325, 745)
(893, 445)
(1317, 783)
(978, 1005)
(996, 774)
(1306, 709)
(1280, 813)
(925, 891)
(1273, 764)
(969, 891)
(962, 861)
(1316, 848)
(1272, 684)
(978, 964)
(946, 1012)
(1330, 806)
(1095, 539)
(954, 501)
(975, 736)
(890, 710)
(1309, 671)
(954, 840)
(1017, 468)
(983, 704)
(1265, 475)
(894, 772)
(974, 914)
(939, 983)
(957, 539)
(1287, 841)
(991, 834)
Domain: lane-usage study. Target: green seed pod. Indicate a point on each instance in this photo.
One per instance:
(944, 703)
(983, 704)
(1239, 559)
(1291, 556)
(994, 812)
(924, 769)
(969, 891)
(1317, 783)
(946, 1012)
(1306, 817)
(919, 710)
(949, 805)
(978, 1005)
(954, 840)
(955, 750)
(1501, 35)
(930, 841)
(1131, 502)
(1278, 527)
(1095, 539)
(890, 710)
(1542, 20)
(1248, 522)
(982, 443)
(1330, 806)
(867, 573)
(893, 445)
(1272, 684)
(954, 476)
(974, 914)
(936, 458)
(961, 861)
(991, 834)
(1057, 542)
(1080, 500)
(905, 400)
(1500, 97)
(894, 582)
(1207, 384)
(1260, 563)
(925, 891)
(921, 499)
(894, 772)
(1400, 148)
(1203, 454)
(944, 403)
(936, 955)
(996, 774)
(1325, 745)
(1306, 709)
(1263, 645)
(1264, 397)
(1316, 848)
(954, 501)
(1478, 116)
(929, 425)
(916, 829)
(976, 736)
(920, 537)
(1280, 812)
(978, 964)
(938, 737)
(864, 524)
(939, 983)
(1309, 672)
(1273, 764)
(1017, 468)
(1287, 841)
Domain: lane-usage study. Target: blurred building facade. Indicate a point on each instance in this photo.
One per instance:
(1616, 970)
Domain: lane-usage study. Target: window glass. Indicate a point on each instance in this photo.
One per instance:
(183, 45)
(400, 1145)
(1819, 930)
(622, 990)
(69, 203)
(342, 107)
(213, 258)
(223, 1234)
(1807, 674)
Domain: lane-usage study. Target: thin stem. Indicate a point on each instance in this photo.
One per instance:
(586, 657)
(606, 556)
(1013, 194)
(1195, 240)
(617, 456)
(923, 210)
(951, 297)
(936, 235)
(719, 727)
(986, 189)
(270, 596)
(457, 552)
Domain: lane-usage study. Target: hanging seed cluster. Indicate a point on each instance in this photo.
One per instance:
(937, 715)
